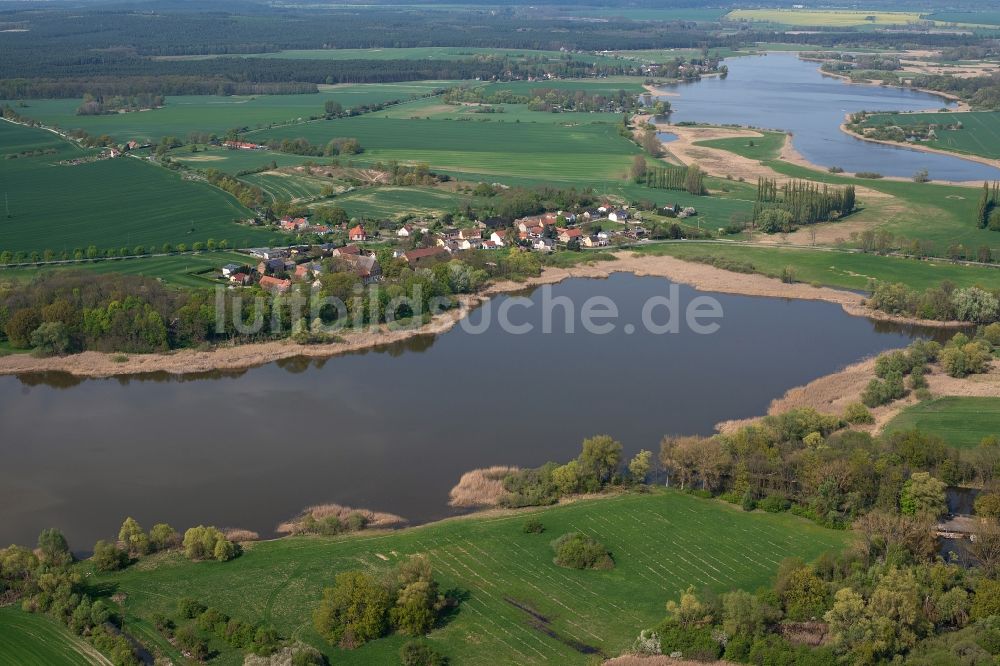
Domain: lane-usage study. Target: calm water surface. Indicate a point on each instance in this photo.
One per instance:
(780, 91)
(394, 429)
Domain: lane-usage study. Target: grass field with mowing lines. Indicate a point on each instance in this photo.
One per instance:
(234, 161)
(827, 18)
(980, 133)
(384, 202)
(115, 203)
(845, 270)
(662, 542)
(37, 640)
(282, 185)
(962, 422)
(181, 270)
(485, 150)
(211, 113)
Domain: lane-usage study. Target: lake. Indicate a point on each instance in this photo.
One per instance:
(780, 91)
(393, 429)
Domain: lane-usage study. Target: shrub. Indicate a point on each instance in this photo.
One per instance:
(882, 392)
(534, 526)
(857, 414)
(203, 543)
(961, 359)
(774, 504)
(109, 557)
(353, 611)
(163, 536)
(696, 643)
(417, 653)
(187, 637)
(189, 608)
(576, 550)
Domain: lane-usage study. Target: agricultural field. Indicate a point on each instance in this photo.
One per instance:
(982, 16)
(234, 161)
(845, 270)
(434, 109)
(662, 542)
(282, 185)
(38, 640)
(961, 421)
(979, 135)
(115, 203)
(387, 202)
(217, 114)
(586, 153)
(841, 18)
(179, 270)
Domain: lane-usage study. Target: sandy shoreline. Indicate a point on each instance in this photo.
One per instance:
(188, 361)
(831, 394)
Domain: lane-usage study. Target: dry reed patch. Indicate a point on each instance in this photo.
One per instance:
(480, 487)
(239, 535)
(374, 519)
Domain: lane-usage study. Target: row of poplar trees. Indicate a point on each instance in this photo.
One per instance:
(806, 202)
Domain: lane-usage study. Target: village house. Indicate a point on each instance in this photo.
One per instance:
(619, 215)
(294, 224)
(307, 270)
(406, 231)
(274, 284)
(489, 245)
(243, 145)
(470, 234)
(543, 245)
(498, 237)
(229, 269)
(594, 241)
(566, 235)
(365, 266)
(346, 250)
(241, 279)
(274, 265)
(424, 255)
(357, 234)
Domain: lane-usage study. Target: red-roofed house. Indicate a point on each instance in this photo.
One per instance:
(424, 255)
(357, 234)
(274, 284)
(566, 235)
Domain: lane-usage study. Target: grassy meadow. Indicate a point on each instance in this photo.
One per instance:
(115, 203)
(845, 270)
(980, 133)
(662, 542)
(212, 113)
(961, 421)
(38, 640)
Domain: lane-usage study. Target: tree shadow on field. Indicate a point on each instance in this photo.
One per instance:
(454, 599)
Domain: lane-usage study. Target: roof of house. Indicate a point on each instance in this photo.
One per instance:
(357, 231)
(362, 264)
(347, 249)
(421, 253)
(268, 282)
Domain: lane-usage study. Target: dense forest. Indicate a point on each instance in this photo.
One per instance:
(121, 51)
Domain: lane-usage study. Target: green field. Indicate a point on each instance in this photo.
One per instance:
(211, 113)
(115, 203)
(980, 133)
(37, 640)
(386, 202)
(697, 14)
(962, 422)
(767, 147)
(662, 542)
(941, 214)
(984, 16)
(181, 270)
(234, 161)
(826, 18)
(845, 270)
(592, 153)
